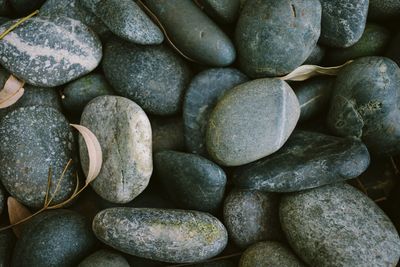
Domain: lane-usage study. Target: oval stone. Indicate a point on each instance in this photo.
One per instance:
(152, 76)
(251, 121)
(124, 133)
(104, 258)
(337, 225)
(224, 11)
(261, 50)
(176, 236)
(33, 140)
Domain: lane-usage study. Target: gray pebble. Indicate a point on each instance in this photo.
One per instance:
(167, 133)
(104, 258)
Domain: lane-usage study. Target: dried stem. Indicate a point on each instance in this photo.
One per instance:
(19, 22)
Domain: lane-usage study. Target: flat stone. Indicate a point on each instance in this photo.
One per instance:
(124, 133)
(269, 254)
(343, 21)
(167, 133)
(365, 104)
(337, 225)
(152, 76)
(252, 216)
(25, 7)
(383, 9)
(66, 50)
(175, 236)
(224, 11)
(104, 258)
(251, 121)
(32, 140)
(54, 238)
(191, 181)
(203, 93)
(311, 160)
(316, 56)
(7, 242)
(275, 37)
(195, 34)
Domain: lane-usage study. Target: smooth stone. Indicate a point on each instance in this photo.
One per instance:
(25, 7)
(126, 20)
(175, 236)
(383, 9)
(252, 216)
(152, 76)
(343, 21)
(314, 96)
(393, 51)
(373, 42)
(225, 11)
(7, 242)
(365, 104)
(104, 258)
(33, 140)
(77, 94)
(269, 253)
(203, 93)
(195, 34)
(167, 133)
(337, 225)
(316, 56)
(191, 181)
(251, 121)
(54, 238)
(66, 50)
(311, 160)
(261, 51)
(124, 133)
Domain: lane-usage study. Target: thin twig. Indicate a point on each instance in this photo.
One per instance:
(19, 22)
(48, 187)
(59, 183)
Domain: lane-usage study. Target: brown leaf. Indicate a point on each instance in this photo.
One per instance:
(16, 212)
(305, 72)
(11, 92)
(94, 152)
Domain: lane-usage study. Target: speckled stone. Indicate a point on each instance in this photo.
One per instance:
(167, 133)
(393, 51)
(337, 225)
(77, 94)
(383, 9)
(251, 216)
(124, 133)
(66, 50)
(365, 104)
(54, 238)
(314, 96)
(126, 20)
(25, 7)
(7, 242)
(176, 236)
(152, 76)
(191, 181)
(311, 159)
(271, 254)
(373, 42)
(224, 11)
(104, 258)
(195, 34)
(251, 121)
(343, 21)
(204, 91)
(275, 37)
(32, 140)
(316, 56)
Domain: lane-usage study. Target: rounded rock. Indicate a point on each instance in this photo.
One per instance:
(104, 258)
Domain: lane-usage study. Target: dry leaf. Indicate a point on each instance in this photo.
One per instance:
(12, 91)
(305, 72)
(17, 212)
(94, 152)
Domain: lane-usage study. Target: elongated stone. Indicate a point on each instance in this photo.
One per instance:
(104, 258)
(166, 235)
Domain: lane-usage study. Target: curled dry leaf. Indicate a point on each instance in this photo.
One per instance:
(305, 72)
(17, 212)
(11, 92)
(94, 152)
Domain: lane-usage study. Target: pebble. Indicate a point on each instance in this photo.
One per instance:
(271, 254)
(7, 242)
(66, 50)
(124, 133)
(383, 9)
(203, 93)
(251, 216)
(195, 35)
(251, 121)
(167, 133)
(104, 258)
(316, 56)
(25, 7)
(337, 225)
(343, 21)
(311, 160)
(152, 76)
(191, 181)
(224, 11)
(25, 159)
(175, 236)
(365, 104)
(54, 238)
(262, 52)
